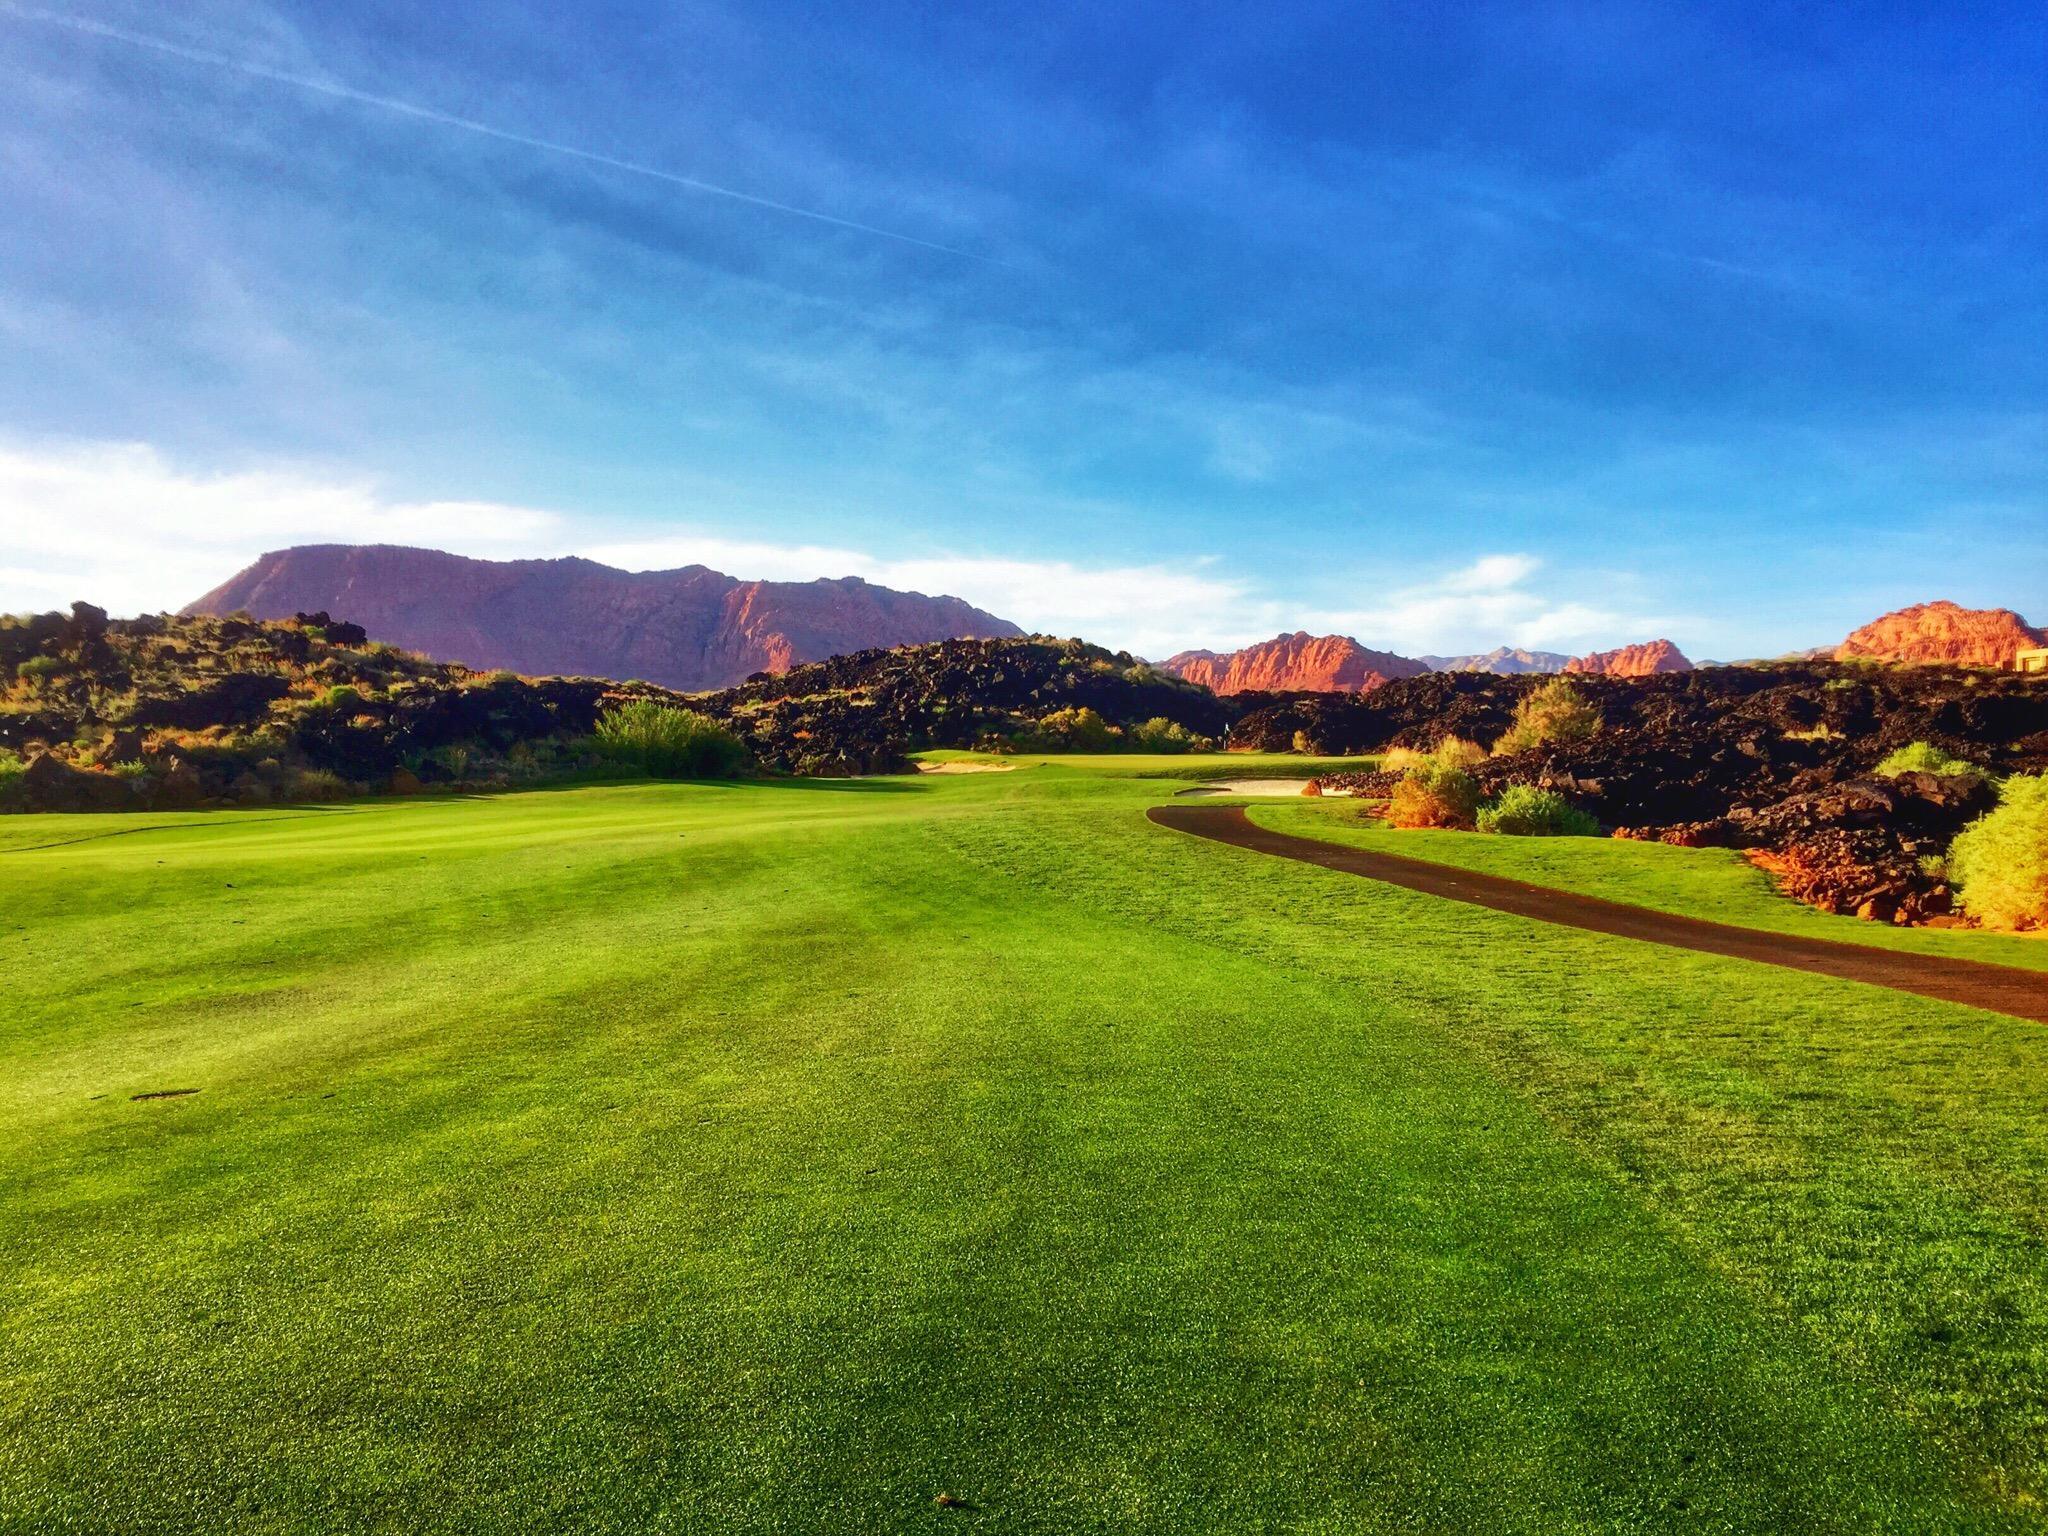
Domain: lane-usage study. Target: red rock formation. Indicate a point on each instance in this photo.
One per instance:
(1633, 660)
(689, 629)
(1296, 663)
(1943, 632)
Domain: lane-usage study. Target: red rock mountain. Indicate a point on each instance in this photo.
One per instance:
(1633, 660)
(689, 628)
(1299, 662)
(1971, 637)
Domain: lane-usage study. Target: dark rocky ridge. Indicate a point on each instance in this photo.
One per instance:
(863, 713)
(1776, 758)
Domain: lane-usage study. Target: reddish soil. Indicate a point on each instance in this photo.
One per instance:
(1999, 988)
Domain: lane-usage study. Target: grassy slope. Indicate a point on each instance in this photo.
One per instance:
(1714, 883)
(774, 1158)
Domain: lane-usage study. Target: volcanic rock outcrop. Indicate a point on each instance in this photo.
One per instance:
(1296, 663)
(1780, 760)
(1943, 632)
(1646, 660)
(688, 628)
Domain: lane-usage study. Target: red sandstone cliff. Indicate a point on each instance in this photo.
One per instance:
(1299, 662)
(688, 628)
(1971, 637)
(1633, 660)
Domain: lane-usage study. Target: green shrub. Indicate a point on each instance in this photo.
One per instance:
(134, 771)
(1925, 757)
(1999, 862)
(452, 760)
(39, 667)
(343, 699)
(11, 770)
(1555, 714)
(1523, 810)
(669, 743)
(1160, 734)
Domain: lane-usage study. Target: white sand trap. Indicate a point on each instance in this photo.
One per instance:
(966, 767)
(1274, 787)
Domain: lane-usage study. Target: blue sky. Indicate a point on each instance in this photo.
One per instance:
(1169, 325)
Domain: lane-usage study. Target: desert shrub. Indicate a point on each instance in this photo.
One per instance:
(1438, 791)
(1453, 750)
(1925, 757)
(1304, 743)
(1160, 734)
(315, 784)
(1071, 730)
(1554, 714)
(1999, 862)
(669, 743)
(1523, 810)
(452, 760)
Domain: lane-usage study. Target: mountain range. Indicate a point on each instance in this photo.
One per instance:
(1502, 661)
(688, 629)
(696, 628)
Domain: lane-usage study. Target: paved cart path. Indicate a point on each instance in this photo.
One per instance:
(2000, 988)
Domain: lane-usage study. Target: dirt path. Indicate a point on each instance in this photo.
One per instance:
(2000, 988)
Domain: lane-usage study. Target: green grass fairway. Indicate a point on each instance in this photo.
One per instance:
(781, 1157)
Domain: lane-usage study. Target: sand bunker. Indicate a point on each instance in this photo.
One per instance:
(966, 767)
(1249, 787)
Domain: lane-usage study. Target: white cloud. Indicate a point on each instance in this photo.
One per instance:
(1492, 573)
(119, 526)
(116, 525)
(1490, 602)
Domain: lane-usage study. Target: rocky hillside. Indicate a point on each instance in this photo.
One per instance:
(1778, 759)
(1507, 661)
(863, 713)
(1646, 660)
(163, 712)
(171, 712)
(1943, 632)
(690, 628)
(1296, 663)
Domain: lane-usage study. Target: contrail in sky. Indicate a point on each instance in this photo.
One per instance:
(449, 120)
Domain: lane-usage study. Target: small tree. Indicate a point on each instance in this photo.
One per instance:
(1072, 730)
(1555, 713)
(1160, 734)
(665, 742)
(1999, 862)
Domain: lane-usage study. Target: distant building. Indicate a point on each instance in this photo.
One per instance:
(2035, 660)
